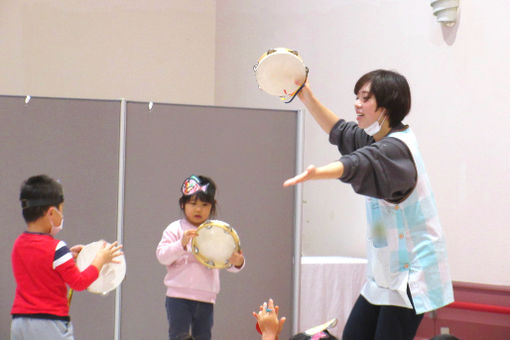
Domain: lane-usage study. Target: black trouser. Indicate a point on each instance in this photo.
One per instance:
(184, 314)
(372, 322)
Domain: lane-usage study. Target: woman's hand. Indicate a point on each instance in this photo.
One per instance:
(305, 94)
(329, 171)
(306, 175)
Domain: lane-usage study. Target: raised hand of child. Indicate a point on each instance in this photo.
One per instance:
(267, 319)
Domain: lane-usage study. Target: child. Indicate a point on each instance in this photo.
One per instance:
(43, 265)
(191, 286)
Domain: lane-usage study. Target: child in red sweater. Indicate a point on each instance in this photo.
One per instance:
(43, 265)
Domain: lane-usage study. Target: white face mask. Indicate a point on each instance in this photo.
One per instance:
(375, 127)
(56, 229)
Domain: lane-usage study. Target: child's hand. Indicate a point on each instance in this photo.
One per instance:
(188, 235)
(267, 318)
(110, 252)
(75, 250)
(107, 254)
(237, 259)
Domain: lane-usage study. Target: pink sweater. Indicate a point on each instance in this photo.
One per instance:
(186, 278)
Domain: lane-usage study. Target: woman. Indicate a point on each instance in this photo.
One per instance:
(407, 272)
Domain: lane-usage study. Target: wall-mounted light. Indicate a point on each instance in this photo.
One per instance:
(445, 11)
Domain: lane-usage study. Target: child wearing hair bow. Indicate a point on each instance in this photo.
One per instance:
(191, 287)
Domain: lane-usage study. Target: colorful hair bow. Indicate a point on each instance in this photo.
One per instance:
(192, 185)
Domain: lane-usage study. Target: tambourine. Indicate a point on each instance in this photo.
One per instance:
(311, 331)
(110, 276)
(327, 325)
(277, 72)
(215, 243)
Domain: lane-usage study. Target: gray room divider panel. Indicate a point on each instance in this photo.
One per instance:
(248, 153)
(76, 141)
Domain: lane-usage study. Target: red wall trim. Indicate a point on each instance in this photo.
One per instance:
(479, 312)
(479, 307)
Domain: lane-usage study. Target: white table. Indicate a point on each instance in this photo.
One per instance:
(329, 288)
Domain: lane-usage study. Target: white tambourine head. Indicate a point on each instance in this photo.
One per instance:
(215, 243)
(278, 71)
(314, 330)
(111, 274)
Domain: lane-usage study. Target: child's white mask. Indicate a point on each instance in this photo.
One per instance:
(56, 229)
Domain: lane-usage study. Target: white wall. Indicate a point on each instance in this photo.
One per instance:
(157, 50)
(459, 80)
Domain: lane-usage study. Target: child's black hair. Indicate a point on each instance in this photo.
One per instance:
(37, 195)
(204, 196)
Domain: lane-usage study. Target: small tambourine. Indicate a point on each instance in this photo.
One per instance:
(327, 325)
(277, 72)
(215, 243)
(311, 331)
(110, 276)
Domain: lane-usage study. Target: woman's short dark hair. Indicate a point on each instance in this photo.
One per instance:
(204, 196)
(391, 92)
(38, 194)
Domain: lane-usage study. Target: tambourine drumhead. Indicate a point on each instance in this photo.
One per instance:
(278, 70)
(328, 324)
(215, 243)
(111, 274)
